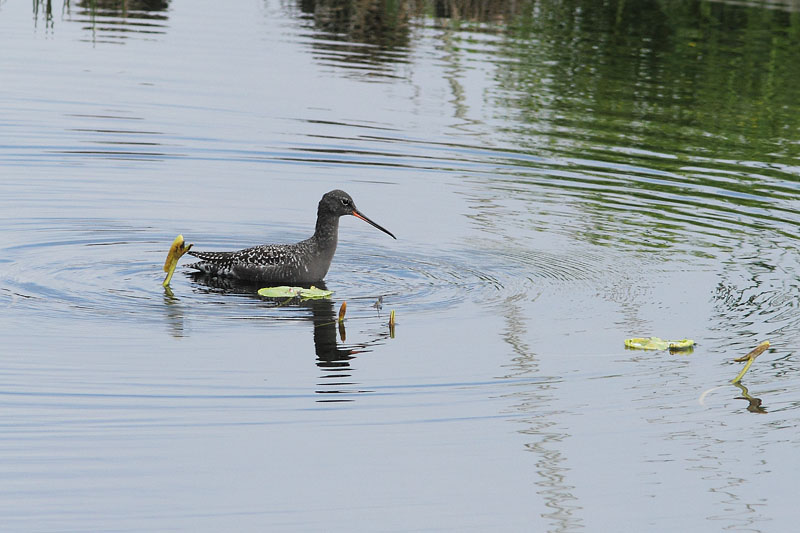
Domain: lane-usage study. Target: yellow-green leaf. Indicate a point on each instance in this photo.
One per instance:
(750, 357)
(285, 291)
(177, 249)
(654, 343)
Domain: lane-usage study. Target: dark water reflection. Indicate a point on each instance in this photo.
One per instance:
(334, 356)
(108, 21)
(753, 404)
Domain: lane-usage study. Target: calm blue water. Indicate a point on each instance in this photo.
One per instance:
(560, 176)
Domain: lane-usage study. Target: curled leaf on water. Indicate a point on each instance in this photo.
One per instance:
(655, 343)
(342, 311)
(285, 291)
(755, 352)
(177, 250)
(750, 357)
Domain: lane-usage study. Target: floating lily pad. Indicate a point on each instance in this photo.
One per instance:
(294, 292)
(654, 343)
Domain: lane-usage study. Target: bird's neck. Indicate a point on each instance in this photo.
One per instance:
(327, 231)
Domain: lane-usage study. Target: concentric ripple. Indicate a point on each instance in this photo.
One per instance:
(70, 266)
(108, 269)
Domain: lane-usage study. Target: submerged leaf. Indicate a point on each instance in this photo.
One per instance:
(285, 291)
(654, 343)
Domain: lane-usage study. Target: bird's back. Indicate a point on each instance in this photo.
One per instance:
(269, 263)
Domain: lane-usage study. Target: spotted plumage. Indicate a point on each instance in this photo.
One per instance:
(304, 262)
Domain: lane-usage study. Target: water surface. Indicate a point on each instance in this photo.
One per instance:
(560, 176)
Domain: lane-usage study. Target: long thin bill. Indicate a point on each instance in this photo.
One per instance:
(358, 214)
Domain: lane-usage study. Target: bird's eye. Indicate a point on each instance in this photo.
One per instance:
(345, 202)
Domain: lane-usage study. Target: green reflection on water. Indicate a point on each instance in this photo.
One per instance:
(660, 122)
(655, 72)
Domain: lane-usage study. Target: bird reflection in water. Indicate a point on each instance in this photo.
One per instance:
(333, 356)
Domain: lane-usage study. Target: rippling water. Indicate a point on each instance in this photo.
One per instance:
(560, 176)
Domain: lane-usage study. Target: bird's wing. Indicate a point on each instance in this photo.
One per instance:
(257, 255)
